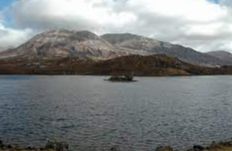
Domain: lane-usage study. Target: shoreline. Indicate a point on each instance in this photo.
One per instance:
(62, 146)
(107, 75)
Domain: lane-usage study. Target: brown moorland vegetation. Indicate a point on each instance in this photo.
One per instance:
(154, 65)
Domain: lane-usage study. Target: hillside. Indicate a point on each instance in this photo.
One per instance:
(83, 52)
(154, 65)
(153, 46)
(58, 44)
(222, 55)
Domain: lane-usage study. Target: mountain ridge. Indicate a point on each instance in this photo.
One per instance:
(154, 46)
(57, 44)
(221, 54)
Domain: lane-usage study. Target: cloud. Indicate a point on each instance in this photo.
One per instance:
(225, 2)
(10, 38)
(74, 14)
(200, 24)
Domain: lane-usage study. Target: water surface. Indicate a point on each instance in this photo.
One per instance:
(92, 114)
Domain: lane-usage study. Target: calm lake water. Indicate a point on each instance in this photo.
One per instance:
(92, 114)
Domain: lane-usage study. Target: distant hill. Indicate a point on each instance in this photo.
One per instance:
(222, 55)
(153, 46)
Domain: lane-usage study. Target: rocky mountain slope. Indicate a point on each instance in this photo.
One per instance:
(158, 47)
(58, 44)
(222, 55)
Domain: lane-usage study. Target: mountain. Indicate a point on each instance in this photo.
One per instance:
(83, 52)
(58, 44)
(222, 55)
(153, 46)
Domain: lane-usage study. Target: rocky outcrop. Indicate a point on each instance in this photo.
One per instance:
(50, 146)
(61, 146)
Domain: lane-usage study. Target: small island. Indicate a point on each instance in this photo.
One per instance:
(122, 78)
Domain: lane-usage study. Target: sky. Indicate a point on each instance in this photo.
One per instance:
(204, 25)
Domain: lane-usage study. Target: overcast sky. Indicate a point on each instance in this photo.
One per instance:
(202, 24)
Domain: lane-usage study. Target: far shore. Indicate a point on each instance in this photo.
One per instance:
(107, 75)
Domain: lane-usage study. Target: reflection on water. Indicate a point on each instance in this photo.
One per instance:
(92, 114)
